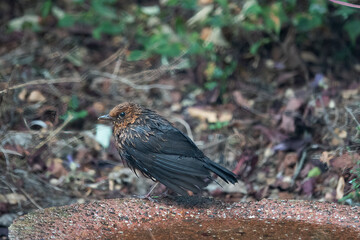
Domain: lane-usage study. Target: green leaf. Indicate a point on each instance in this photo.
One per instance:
(353, 30)
(108, 28)
(251, 8)
(218, 125)
(255, 46)
(314, 172)
(150, 10)
(274, 17)
(46, 7)
(66, 21)
(169, 50)
(318, 7)
(211, 85)
(100, 7)
(306, 22)
(345, 12)
(74, 102)
(137, 55)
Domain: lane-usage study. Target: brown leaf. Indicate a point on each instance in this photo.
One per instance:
(36, 96)
(240, 100)
(345, 161)
(294, 104)
(287, 123)
(340, 188)
(326, 157)
(211, 116)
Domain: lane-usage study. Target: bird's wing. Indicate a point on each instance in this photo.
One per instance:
(169, 156)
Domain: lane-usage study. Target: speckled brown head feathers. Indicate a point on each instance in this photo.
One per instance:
(123, 114)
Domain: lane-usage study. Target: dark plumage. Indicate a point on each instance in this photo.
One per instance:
(148, 142)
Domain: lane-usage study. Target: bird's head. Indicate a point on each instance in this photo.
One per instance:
(123, 114)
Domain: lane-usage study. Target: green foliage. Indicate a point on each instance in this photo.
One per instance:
(73, 110)
(101, 15)
(218, 125)
(155, 31)
(355, 182)
(314, 172)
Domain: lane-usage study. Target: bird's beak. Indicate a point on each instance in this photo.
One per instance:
(106, 118)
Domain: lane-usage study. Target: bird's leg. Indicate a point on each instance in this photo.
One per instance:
(148, 195)
(151, 190)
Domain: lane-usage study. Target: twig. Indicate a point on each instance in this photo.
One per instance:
(30, 199)
(112, 57)
(352, 115)
(299, 166)
(55, 132)
(117, 67)
(345, 4)
(10, 151)
(6, 158)
(42, 81)
(150, 75)
(131, 84)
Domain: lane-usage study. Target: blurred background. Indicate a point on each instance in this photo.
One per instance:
(269, 89)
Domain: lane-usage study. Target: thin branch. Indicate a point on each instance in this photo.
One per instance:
(131, 84)
(345, 4)
(352, 115)
(55, 132)
(30, 199)
(42, 81)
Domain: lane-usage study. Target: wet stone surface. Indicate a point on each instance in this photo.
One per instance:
(190, 218)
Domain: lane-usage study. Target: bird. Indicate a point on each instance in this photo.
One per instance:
(149, 143)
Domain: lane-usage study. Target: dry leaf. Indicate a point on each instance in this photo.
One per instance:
(345, 161)
(346, 94)
(340, 188)
(36, 96)
(12, 198)
(294, 104)
(240, 100)
(210, 116)
(204, 2)
(22, 94)
(309, 57)
(287, 123)
(205, 33)
(326, 157)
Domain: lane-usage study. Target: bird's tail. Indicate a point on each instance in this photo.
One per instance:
(222, 172)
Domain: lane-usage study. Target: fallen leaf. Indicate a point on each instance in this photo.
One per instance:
(345, 161)
(210, 116)
(309, 57)
(22, 94)
(326, 157)
(346, 94)
(204, 2)
(240, 100)
(294, 104)
(308, 186)
(287, 123)
(340, 188)
(36, 96)
(205, 33)
(12, 198)
(341, 133)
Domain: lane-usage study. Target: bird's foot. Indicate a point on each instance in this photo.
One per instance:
(148, 197)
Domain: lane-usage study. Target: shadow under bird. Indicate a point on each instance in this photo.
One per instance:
(151, 144)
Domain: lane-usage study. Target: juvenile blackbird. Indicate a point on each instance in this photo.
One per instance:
(148, 142)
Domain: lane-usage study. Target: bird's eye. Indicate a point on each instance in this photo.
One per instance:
(122, 114)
